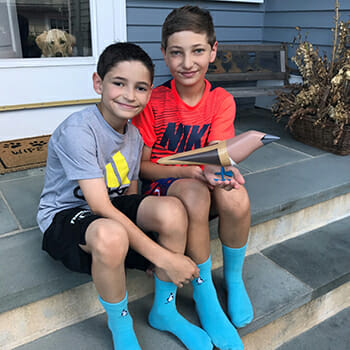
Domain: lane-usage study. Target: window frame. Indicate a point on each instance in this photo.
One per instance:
(108, 25)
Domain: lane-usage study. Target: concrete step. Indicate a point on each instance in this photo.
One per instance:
(294, 286)
(34, 287)
(330, 334)
(293, 188)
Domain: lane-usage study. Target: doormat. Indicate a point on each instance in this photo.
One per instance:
(22, 154)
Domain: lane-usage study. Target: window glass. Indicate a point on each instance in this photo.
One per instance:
(44, 28)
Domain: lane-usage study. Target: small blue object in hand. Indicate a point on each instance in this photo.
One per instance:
(224, 173)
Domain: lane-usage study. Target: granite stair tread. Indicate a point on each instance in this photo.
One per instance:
(279, 280)
(330, 334)
(282, 178)
(284, 191)
(28, 274)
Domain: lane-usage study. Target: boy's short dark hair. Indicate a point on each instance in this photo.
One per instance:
(192, 18)
(121, 52)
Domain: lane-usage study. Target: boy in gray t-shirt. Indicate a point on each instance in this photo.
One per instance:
(91, 215)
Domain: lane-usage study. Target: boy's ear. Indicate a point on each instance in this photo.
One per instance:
(97, 83)
(149, 93)
(213, 52)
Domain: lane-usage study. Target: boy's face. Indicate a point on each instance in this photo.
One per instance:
(125, 91)
(187, 56)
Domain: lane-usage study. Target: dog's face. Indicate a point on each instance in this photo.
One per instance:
(55, 43)
(227, 57)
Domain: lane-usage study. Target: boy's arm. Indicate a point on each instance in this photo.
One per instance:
(178, 267)
(153, 171)
(132, 188)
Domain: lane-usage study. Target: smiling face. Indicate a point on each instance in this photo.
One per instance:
(125, 91)
(187, 56)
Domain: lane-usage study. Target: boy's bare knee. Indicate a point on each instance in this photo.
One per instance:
(194, 195)
(234, 204)
(172, 218)
(109, 243)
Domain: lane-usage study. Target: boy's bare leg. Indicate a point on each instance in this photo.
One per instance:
(168, 217)
(233, 208)
(196, 197)
(107, 242)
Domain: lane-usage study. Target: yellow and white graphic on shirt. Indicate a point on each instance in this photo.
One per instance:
(123, 170)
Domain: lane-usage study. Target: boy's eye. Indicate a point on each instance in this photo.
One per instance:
(118, 83)
(199, 51)
(142, 89)
(175, 53)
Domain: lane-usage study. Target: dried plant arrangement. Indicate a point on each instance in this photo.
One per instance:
(320, 106)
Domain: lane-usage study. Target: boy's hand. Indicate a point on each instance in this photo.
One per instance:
(180, 269)
(215, 180)
(193, 172)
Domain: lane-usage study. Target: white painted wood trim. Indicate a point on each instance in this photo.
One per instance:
(40, 80)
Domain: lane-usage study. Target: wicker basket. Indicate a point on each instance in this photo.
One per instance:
(321, 135)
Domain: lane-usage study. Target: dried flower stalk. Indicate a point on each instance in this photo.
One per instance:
(325, 91)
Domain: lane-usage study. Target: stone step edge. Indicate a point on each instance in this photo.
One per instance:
(294, 323)
(45, 316)
(277, 230)
(298, 321)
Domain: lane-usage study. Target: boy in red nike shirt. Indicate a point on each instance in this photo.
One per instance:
(188, 113)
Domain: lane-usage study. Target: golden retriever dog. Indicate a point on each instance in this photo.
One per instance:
(55, 43)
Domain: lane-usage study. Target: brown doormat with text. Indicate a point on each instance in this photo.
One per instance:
(23, 154)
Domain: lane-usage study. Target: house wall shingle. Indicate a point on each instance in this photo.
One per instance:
(274, 21)
(234, 22)
(314, 17)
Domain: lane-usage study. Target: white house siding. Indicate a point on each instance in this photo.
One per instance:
(273, 21)
(234, 22)
(21, 123)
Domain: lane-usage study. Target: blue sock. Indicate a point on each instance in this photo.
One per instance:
(212, 317)
(165, 317)
(239, 306)
(121, 325)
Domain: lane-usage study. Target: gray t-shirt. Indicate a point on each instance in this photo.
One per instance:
(85, 146)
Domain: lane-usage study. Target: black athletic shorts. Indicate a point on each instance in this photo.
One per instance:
(67, 230)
